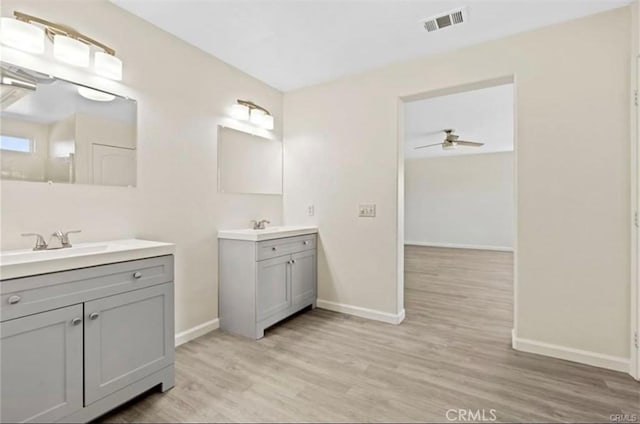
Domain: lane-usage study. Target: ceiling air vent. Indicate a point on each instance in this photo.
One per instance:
(448, 19)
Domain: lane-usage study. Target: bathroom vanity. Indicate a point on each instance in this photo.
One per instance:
(265, 276)
(84, 329)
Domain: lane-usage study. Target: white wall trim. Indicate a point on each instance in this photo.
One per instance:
(459, 246)
(197, 331)
(361, 312)
(595, 359)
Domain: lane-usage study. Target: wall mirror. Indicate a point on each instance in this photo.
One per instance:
(248, 163)
(53, 130)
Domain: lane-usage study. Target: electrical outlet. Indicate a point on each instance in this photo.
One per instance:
(367, 211)
(311, 210)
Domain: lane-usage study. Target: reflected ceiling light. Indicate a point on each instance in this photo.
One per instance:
(107, 65)
(245, 110)
(21, 35)
(71, 51)
(70, 46)
(97, 95)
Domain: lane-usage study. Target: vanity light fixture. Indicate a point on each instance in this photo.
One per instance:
(245, 110)
(26, 32)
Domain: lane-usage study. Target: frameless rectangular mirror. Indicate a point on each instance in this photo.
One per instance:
(52, 130)
(248, 163)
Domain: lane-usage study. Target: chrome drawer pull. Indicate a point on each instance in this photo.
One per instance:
(76, 321)
(94, 316)
(14, 299)
(305, 242)
(137, 275)
(274, 248)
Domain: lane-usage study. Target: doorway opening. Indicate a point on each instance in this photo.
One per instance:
(457, 209)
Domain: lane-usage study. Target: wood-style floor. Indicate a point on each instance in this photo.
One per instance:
(451, 352)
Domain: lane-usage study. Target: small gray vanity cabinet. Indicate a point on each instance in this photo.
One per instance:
(264, 282)
(75, 344)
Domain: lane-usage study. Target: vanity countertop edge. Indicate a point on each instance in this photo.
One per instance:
(115, 251)
(270, 233)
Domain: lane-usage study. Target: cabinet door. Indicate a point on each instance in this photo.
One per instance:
(127, 337)
(274, 289)
(303, 277)
(41, 362)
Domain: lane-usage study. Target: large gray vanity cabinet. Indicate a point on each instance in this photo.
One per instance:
(263, 282)
(75, 344)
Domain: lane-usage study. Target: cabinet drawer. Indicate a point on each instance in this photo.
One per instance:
(285, 246)
(30, 295)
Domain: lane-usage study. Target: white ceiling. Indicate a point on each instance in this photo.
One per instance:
(484, 115)
(290, 44)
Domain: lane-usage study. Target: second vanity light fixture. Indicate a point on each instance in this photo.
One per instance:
(245, 110)
(27, 33)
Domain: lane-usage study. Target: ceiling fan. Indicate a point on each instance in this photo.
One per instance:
(451, 141)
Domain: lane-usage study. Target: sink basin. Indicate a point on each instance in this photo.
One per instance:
(268, 233)
(21, 256)
(24, 262)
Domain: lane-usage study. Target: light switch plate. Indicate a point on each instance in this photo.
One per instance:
(311, 210)
(367, 211)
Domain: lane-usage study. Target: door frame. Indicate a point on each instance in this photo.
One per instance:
(444, 91)
(634, 365)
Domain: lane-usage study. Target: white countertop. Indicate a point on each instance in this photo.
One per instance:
(25, 262)
(268, 233)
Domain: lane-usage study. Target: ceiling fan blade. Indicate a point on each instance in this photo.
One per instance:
(428, 145)
(469, 143)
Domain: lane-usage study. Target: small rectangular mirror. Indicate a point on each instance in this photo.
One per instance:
(248, 163)
(53, 130)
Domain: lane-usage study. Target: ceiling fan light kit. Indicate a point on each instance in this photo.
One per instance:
(451, 142)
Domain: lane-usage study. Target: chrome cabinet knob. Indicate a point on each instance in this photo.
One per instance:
(274, 248)
(305, 242)
(76, 321)
(293, 261)
(94, 316)
(137, 275)
(14, 299)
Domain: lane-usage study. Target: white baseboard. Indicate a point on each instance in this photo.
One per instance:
(197, 331)
(361, 312)
(459, 246)
(586, 357)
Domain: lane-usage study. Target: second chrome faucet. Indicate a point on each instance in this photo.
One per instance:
(260, 225)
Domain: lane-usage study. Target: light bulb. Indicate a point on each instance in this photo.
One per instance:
(108, 66)
(21, 35)
(240, 112)
(70, 50)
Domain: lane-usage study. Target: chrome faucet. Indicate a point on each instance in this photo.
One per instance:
(40, 243)
(260, 225)
(63, 238)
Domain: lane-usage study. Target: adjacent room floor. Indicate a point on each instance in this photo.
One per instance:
(451, 352)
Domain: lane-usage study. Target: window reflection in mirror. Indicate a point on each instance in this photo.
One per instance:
(54, 130)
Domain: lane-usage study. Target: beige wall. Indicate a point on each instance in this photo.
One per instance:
(463, 201)
(572, 153)
(182, 95)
